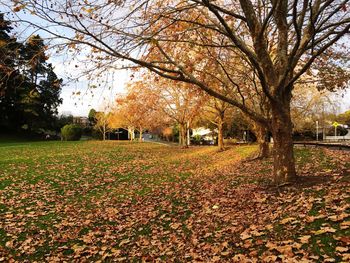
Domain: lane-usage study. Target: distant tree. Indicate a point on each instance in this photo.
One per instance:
(344, 118)
(138, 110)
(176, 102)
(92, 117)
(62, 120)
(215, 111)
(167, 133)
(309, 106)
(237, 125)
(103, 123)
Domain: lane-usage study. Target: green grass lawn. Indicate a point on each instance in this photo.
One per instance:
(142, 201)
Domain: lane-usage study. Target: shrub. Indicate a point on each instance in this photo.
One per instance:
(71, 132)
(341, 131)
(96, 134)
(197, 138)
(230, 141)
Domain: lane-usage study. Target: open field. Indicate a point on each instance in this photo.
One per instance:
(89, 201)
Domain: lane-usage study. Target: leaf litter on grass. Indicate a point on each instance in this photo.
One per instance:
(142, 202)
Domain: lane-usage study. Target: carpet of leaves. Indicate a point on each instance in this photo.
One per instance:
(130, 202)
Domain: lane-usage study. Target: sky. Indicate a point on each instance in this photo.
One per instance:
(345, 102)
(100, 97)
(79, 98)
(64, 66)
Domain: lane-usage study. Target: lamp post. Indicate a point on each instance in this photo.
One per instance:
(316, 130)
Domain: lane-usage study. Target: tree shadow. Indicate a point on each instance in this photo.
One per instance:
(303, 182)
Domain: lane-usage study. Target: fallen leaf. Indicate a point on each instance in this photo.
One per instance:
(341, 249)
(304, 239)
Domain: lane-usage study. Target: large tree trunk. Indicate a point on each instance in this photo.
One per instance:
(284, 163)
(262, 138)
(221, 135)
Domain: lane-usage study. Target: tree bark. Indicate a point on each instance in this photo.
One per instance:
(284, 163)
(183, 136)
(221, 135)
(262, 138)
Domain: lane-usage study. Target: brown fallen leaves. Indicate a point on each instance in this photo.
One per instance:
(155, 203)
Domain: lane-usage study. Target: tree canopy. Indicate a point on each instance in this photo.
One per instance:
(29, 88)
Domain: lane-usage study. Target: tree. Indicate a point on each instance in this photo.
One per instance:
(138, 110)
(92, 117)
(309, 106)
(49, 88)
(11, 81)
(167, 133)
(180, 102)
(8, 49)
(61, 121)
(280, 40)
(102, 123)
(29, 87)
(215, 111)
(344, 117)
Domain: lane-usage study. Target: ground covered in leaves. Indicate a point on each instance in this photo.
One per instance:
(134, 202)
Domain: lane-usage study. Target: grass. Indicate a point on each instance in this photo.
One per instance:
(78, 173)
(100, 200)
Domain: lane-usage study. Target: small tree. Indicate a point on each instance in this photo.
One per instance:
(102, 123)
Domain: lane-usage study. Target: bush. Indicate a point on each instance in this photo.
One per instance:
(230, 141)
(197, 138)
(71, 132)
(87, 131)
(341, 131)
(96, 134)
